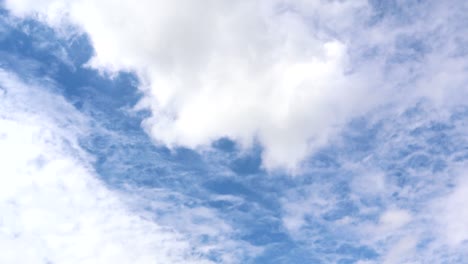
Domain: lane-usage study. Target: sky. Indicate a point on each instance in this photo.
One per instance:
(250, 131)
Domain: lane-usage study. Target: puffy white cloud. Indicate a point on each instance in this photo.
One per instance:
(54, 209)
(285, 74)
(253, 71)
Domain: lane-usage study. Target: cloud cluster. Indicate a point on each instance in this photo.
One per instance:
(54, 209)
(285, 74)
(254, 71)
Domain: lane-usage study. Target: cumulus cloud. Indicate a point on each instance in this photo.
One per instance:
(285, 74)
(54, 209)
(253, 71)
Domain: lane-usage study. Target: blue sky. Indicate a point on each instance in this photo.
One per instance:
(233, 132)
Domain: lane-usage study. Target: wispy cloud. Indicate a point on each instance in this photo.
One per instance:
(402, 197)
(54, 208)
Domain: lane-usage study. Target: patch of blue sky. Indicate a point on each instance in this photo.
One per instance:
(400, 12)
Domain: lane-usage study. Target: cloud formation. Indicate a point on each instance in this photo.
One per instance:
(288, 75)
(285, 74)
(253, 71)
(54, 209)
(403, 198)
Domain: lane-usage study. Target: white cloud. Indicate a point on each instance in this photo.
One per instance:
(249, 70)
(286, 74)
(202, 226)
(54, 209)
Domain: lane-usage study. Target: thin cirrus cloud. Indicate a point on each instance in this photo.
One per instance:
(54, 209)
(412, 209)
